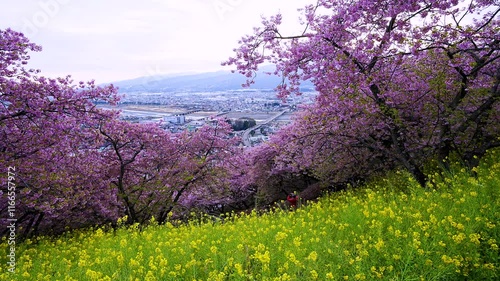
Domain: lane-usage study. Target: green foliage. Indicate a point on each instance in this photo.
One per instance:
(243, 123)
(391, 230)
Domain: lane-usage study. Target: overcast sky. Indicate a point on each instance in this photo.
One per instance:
(111, 40)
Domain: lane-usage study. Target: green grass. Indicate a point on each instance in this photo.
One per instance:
(390, 230)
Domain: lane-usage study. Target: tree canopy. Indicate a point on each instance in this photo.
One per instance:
(399, 83)
(79, 165)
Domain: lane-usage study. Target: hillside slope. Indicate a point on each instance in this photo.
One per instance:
(391, 230)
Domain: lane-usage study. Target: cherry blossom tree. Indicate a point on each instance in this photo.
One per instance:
(48, 133)
(399, 82)
(210, 154)
(154, 171)
(78, 165)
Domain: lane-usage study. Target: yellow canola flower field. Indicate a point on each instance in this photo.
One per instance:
(390, 230)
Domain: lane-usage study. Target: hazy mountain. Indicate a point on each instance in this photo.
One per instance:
(202, 82)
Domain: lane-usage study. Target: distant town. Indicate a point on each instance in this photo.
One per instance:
(181, 111)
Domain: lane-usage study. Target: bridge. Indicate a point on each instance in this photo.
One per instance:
(246, 139)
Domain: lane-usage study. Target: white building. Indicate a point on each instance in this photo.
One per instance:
(175, 119)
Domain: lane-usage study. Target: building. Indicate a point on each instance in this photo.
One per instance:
(175, 119)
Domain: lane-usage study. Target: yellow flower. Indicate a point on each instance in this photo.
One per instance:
(191, 263)
(459, 238)
(379, 245)
(163, 262)
(217, 276)
(93, 275)
(360, 276)
(314, 274)
(489, 266)
(474, 238)
(293, 259)
(213, 249)
(134, 263)
(446, 259)
(379, 273)
(284, 277)
(194, 244)
(297, 241)
(239, 268)
(280, 236)
(99, 233)
(123, 243)
(264, 258)
(312, 256)
(122, 220)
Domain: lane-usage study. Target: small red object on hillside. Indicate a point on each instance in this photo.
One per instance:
(292, 199)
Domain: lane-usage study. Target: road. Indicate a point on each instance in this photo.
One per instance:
(246, 139)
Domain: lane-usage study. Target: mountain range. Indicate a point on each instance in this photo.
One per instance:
(203, 82)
